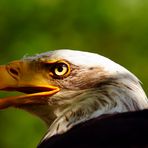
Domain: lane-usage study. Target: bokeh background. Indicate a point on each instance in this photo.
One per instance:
(117, 29)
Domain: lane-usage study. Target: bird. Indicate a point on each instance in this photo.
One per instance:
(123, 130)
(68, 88)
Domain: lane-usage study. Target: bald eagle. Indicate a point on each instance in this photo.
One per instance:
(68, 88)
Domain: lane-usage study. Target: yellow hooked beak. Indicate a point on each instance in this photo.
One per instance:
(20, 76)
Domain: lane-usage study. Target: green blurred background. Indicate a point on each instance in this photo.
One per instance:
(117, 29)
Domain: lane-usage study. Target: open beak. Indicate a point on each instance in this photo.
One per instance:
(19, 76)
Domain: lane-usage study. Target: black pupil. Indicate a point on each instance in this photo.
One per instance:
(60, 68)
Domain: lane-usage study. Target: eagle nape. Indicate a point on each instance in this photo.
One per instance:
(73, 92)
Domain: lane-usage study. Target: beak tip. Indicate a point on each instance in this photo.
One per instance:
(4, 104)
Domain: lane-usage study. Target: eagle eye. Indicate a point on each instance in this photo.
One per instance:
(60, 69)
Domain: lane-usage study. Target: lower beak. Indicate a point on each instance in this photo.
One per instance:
(17, 76)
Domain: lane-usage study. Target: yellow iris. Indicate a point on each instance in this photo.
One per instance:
(60, 69)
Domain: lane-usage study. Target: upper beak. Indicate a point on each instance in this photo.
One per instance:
(19, 76)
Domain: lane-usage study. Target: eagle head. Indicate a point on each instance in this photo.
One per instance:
(66, 87)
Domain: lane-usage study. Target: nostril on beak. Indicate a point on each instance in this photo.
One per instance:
(14, 72)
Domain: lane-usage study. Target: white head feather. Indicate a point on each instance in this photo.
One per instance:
(123, 94)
